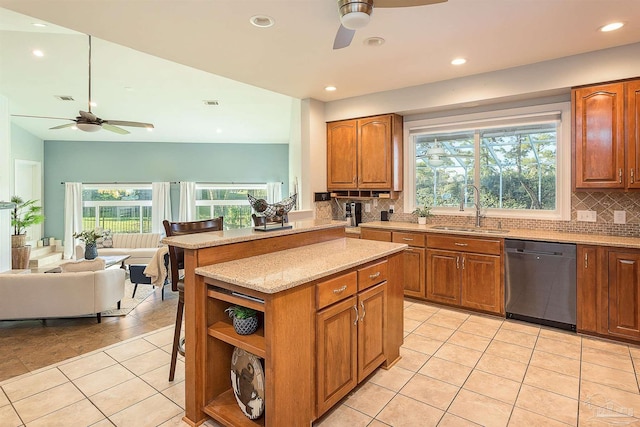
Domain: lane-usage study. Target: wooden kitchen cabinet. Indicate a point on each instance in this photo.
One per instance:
(605, 138)
(365, 154)
(414, 277)
(586, 288)
(372, 234)
(350, 333)
(623, 291)
(465, 272)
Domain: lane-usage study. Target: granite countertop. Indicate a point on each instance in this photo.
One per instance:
(279, 271)
(225, 237)
(521, 234)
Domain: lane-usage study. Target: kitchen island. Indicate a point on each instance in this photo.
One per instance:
(307, 283)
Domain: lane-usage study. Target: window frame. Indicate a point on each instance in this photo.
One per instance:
(505, 117)
(118, 203)
(220, 186)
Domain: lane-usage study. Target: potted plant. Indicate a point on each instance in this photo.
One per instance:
(23, 215)
(89, 238)
(245, 320)
(423, 213)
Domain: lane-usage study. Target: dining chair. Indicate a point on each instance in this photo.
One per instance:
(176, 262)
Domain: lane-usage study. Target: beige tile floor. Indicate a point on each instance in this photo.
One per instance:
(457, 369)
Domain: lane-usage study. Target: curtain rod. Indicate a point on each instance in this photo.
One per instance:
(171, 182)
(114, 182)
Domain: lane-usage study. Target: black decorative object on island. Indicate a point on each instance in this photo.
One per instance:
(271, 216)
(245, 320)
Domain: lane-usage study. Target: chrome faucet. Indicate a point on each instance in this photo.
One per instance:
(477, 201)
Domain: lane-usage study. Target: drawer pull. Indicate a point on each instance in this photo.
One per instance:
(408, 239)
(355, 307)
(340, 289)
(586, 260)
(364, 313)
(463, 258)
(620, 175)
(461, 244)
(457, 263)
(374, 275)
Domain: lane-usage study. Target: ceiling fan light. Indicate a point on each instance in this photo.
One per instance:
(355, 20)
(89, 127)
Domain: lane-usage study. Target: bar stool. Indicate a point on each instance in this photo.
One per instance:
(176, 261)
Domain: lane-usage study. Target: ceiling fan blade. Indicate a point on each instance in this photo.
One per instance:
(115, 129)
(40, 117)
(343, 37)
(68, 125)
(88, 116)
(404, 3)
(131, 124)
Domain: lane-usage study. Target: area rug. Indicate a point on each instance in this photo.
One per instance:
(128, 304)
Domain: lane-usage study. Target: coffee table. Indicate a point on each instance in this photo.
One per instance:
(109, 261)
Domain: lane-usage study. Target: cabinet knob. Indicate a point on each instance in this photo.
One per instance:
(374, 275)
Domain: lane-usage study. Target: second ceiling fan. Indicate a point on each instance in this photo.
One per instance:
(89, 122)
(355, 14)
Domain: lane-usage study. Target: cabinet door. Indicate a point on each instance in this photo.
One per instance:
(375, 156)
(587, 290)
(599, 136)
(414, 272)
(633, 133)
(342, 155)
(481, 283)
(443, 276)
(371, 325)
(337, 356)
(624, 298)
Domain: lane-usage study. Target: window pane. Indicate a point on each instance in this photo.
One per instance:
(121, 210)
(444, 163)
(518, 167)
(231, 203)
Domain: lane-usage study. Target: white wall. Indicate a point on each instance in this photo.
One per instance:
(5, 185)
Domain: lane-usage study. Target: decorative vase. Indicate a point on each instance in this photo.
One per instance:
(90, 251)
(245, 326)
(20, 257)
(422, 220)
(18, 240)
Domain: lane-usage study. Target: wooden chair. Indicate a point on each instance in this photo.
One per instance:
(176, 262)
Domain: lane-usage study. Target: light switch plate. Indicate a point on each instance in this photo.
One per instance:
(587, 216)
(619, 217)
(367, 207)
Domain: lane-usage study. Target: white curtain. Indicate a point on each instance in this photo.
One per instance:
(187, 201)
(72, 216)
(160, 205)
(274, 192)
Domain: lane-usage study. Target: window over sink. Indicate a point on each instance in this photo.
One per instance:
(518, 158)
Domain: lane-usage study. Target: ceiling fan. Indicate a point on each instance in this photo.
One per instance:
(355, 14)
(89, 122)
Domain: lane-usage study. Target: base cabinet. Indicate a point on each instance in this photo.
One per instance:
(465, 272)
(586, 288)
(350, 335)
(414, 277)
(624, 296)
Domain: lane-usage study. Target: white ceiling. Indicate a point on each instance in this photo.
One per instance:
(294, 58)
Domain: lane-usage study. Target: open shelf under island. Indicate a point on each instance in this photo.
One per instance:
(330, 311)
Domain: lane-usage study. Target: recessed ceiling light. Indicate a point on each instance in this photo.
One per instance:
(330, 88)
(218, 130)
(262, 21)
(38, 53)
(458, 61)
(374, 41)
(128, 88)
(611, 27)
(39, 24)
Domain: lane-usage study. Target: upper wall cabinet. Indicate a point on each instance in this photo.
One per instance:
(365, 154)
(605, 116)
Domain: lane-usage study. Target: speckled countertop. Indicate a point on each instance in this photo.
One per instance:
(521, 234)
(225, 237)
(278, 271)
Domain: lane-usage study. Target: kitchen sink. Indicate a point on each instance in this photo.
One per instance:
(470, 229)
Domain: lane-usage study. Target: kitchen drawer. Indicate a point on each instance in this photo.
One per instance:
(371, 234)
(465, 244)
(372, 275)
(337, 289)
(411, 239)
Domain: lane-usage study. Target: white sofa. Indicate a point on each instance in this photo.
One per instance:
(140, 246)
(45, 295)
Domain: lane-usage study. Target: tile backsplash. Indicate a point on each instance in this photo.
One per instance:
(603, 203)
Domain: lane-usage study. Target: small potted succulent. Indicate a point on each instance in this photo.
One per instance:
(245, 320)
(423, 213)
(89, 237)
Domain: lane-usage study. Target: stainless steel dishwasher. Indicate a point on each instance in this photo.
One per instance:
(540, 282)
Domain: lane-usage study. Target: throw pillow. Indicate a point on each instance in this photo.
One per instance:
(106, 241)
(84, 265)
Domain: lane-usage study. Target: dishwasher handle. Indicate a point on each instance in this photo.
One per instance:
(530, 252)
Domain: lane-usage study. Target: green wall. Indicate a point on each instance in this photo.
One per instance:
(25, 146)
(73, 161)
